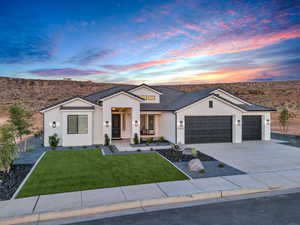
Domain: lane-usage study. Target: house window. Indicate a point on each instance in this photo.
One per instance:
(77, 124)
(148, 97)
(147, 124)
(211, 104)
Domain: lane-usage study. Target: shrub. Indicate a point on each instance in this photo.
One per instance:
(97, 146)
(221, 165)
(30, 149)
(284, 117)
(202, 171)
(106, 140)
(21, 119)
(53, 141)
(151, 149)
(161, 139)
(194, 152)
(84, 146)
(149, 140)
(8, 149)
(139, 150)
(136, 139)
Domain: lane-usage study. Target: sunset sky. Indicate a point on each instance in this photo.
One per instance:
(151, 41)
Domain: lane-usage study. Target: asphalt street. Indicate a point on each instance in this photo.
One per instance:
(276, 210)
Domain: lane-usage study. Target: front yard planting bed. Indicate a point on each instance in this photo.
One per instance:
(10, 182)
(71, 170)
(213, 167)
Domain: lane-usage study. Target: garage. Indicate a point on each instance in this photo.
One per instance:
(208, 129)
(251, 128)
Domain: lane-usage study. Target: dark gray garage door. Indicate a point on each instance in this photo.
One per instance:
(208, 129)
(251, 128)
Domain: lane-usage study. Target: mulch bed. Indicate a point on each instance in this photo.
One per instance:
(177, 156)
(9, 183)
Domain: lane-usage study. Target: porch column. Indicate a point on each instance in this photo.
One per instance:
(106, 121)
(135, 118)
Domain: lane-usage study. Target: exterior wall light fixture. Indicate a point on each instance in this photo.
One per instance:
(267, 121)
(106, 123)
(54, 124)
(136, 123)
(180, 124)
(238, 122)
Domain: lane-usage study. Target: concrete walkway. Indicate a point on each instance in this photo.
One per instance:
(124, 146)
(215, 187)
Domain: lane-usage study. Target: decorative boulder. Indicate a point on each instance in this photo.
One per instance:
(195, 165)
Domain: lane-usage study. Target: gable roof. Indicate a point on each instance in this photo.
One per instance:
(147, 87)
(65, 101)
(232, 95)
(122, 92)
(170, 99)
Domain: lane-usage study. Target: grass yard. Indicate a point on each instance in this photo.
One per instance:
(73, 170)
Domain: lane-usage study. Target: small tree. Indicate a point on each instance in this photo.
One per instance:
(284, 117)
(20, 118)
(106, 140)
(8, 149)
(53, 141)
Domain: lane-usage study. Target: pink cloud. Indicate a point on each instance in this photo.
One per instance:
(66, 72)
(148, 35)
(195, 28)
(236, 43)
(137, 66)
(231, 12)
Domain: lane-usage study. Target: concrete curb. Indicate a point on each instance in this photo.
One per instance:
(27, 176)
(42, 217)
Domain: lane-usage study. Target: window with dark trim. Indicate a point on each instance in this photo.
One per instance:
(211, 104)
(147, 124)
(77, 124)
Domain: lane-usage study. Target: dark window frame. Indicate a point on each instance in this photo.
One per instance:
(211, 104)
(77, 123)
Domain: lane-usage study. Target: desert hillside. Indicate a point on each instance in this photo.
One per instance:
(36, 94)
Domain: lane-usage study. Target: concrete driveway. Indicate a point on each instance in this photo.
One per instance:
(254, 156)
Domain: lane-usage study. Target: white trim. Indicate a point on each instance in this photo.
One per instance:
(208, 97)
(233, 96)
(175, 166)
(119, 93)
(66, 102)
(151, 112)
(145, 86)
(27, 176)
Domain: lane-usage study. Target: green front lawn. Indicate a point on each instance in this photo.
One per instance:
(65, 171)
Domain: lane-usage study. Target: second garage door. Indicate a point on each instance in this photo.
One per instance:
(208, 129)
(251, 128)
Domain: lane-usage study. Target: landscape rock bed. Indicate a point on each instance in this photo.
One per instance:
(212, 169)
(212, 166)
(177, 156)
(10, 183)
(154, 143)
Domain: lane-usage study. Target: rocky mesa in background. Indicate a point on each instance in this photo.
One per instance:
(37, 94)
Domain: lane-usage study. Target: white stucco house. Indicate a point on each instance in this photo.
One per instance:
(204, 116)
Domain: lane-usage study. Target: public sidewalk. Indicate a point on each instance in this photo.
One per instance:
(66, 205)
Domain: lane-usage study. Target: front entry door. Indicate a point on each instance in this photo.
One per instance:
(116, 126)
